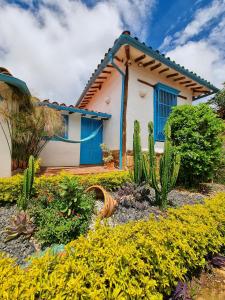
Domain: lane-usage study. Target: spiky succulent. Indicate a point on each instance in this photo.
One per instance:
(218, 261)
(21, 224)
(181, 292)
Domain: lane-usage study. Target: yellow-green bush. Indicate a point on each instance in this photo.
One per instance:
(138, 260)
(10, 188)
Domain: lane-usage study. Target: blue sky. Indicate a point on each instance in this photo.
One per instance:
(54, 45)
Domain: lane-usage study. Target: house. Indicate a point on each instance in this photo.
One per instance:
(132, 82)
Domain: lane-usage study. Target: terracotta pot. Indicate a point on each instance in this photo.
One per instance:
(109, 165)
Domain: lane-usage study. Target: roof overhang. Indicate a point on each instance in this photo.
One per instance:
(21, 85)
(71, 109)
(203, 88)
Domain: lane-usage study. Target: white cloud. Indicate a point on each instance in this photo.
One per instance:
(204, 56)
(202, 19)
(135, 14)
(57, 47)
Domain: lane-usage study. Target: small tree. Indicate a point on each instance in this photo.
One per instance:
(219, 102)
(196, 132)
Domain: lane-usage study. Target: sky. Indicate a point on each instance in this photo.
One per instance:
(55, 45)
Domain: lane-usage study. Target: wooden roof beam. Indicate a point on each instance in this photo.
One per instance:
(192, 84)
(203, 91)
(139, 58)
(155, 66)
(127, 52)
(118, 59)
(149, 63)
(180, 78)
(197, 88)
(172, 75)
(164, 70)
(102, 77)
(184, 82)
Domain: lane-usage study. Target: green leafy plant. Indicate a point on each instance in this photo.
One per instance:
(168, 167)
(21, 225)
(219, 102)
(28, 180)
(196, 134)
(107, 154)
(72, 196)
(61, 211)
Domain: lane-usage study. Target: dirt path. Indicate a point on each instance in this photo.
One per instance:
(212, 286)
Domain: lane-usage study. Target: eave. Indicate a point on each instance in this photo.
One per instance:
(21, 85)
(159, 61)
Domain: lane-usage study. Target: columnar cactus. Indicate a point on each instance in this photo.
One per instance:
(28, 180)
(137, 153)
(168, 168)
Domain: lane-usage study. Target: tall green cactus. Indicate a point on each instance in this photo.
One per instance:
(168, 167)
(28, 180)
(137, 154)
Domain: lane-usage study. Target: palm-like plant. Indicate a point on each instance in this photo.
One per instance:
(27, 124)
(30, 129)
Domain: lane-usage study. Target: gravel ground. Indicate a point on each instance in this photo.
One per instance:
(142, 210)
(18, 248)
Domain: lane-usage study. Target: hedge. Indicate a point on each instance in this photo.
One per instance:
(10, 188)
(137, 260)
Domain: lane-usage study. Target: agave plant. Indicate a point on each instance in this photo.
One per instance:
(21, 224)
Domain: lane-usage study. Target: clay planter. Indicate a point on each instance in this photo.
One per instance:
(109, 165)
(110, 204)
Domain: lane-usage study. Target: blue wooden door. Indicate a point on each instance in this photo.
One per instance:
(90, 151)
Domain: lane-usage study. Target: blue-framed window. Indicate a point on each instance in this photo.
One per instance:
(165, 98)
(64, 132)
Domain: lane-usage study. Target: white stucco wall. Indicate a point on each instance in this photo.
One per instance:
(63, 154)
(141, 109)
(5, 157)
(111, 91)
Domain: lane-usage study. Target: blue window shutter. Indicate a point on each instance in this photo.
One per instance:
(165, 98)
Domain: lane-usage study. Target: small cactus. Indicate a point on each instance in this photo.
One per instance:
(28, 180)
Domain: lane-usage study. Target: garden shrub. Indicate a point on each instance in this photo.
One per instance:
(61, 214)
(196, 132)
(10, 188)
(110, 181)
(138, 260)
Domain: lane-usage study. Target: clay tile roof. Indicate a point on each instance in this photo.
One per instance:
(126, 38)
